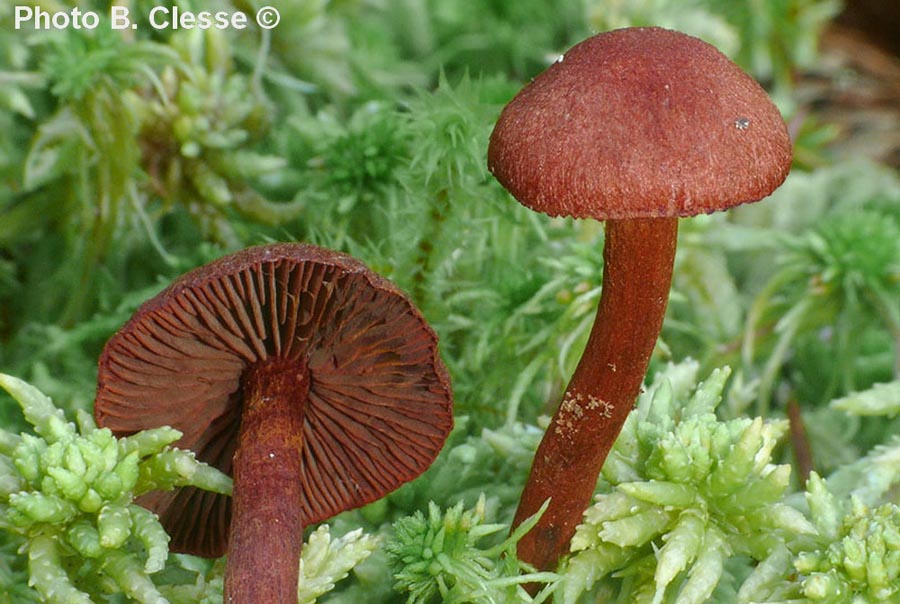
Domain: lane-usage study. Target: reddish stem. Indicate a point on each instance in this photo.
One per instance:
(266, 532)
(638, 258)
(802, 450)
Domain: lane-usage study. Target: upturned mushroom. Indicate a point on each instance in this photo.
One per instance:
(311, 379)
(637, 127)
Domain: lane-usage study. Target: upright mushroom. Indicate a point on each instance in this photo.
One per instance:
(636, 127)
(312, 379)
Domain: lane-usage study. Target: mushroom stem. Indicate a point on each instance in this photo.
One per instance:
(638, 259)
(266, 526)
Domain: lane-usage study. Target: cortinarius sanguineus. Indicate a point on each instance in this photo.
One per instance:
(636, 127)
(311, 379)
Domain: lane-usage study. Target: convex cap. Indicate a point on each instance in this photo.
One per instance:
(640, 123)
(379, 403)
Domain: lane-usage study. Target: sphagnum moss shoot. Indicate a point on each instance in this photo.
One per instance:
(690, 489)
(69, 494)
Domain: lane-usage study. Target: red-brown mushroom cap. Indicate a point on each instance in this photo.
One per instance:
(640, 123)
(379, 403)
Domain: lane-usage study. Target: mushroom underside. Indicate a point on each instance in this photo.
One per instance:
(378, 407)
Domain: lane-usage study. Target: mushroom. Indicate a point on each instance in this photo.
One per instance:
(313, 380)
(637, 127)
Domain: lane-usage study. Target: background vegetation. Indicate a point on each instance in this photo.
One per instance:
(127, 158)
